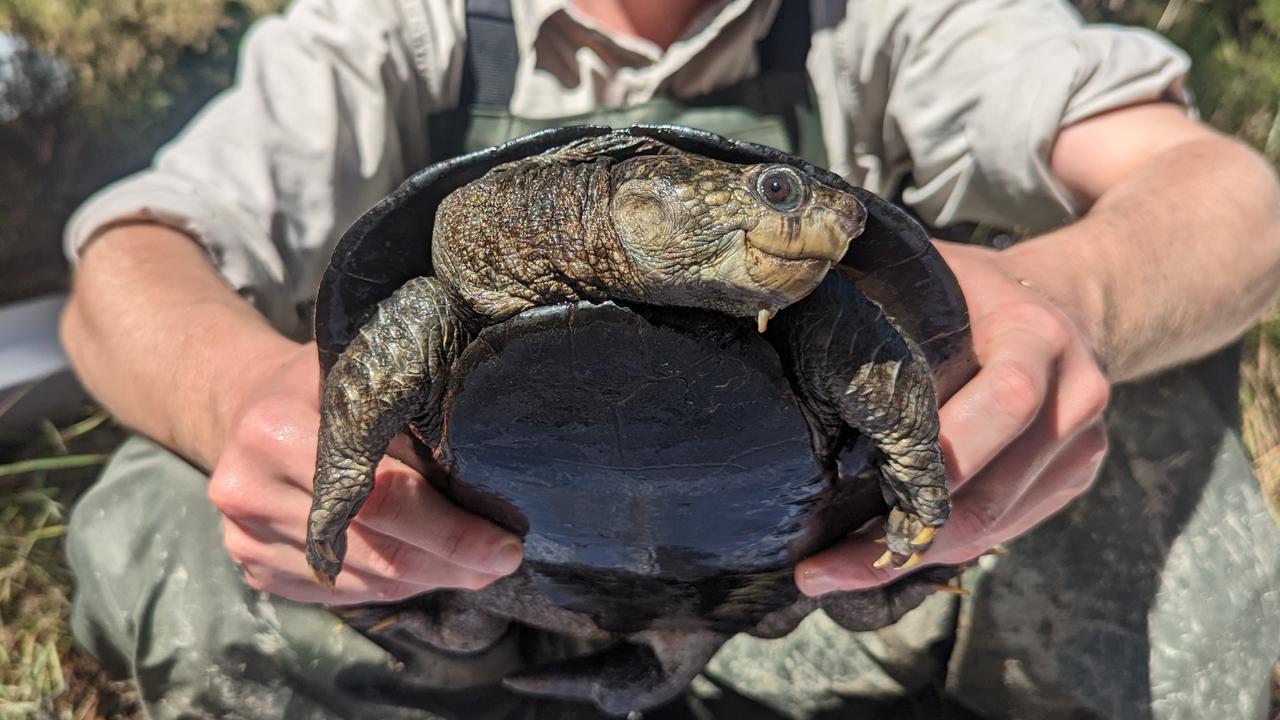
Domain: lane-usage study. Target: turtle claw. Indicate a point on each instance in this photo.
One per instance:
(384, 623)
(324, 560)
(907, 538)
(947, 587)
(322, 579)
(898, 563)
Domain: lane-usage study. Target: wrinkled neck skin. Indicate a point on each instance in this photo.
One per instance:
(532, 234)
(681, 225)
(671, 230)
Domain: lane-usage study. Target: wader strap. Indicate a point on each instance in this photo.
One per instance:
(489, 67)
(786, 46)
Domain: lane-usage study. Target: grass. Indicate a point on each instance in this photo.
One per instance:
(41, 674)
(1260, 396)
(1260, 399)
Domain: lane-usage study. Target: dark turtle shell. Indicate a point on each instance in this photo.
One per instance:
(655, 460)
(893, 261)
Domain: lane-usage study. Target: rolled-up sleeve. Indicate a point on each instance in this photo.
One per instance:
(325, 112)
(977, 91)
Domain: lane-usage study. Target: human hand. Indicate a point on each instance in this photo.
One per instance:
(406, 539)
(1022, 438)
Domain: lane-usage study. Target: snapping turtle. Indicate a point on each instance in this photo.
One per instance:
(579, 329)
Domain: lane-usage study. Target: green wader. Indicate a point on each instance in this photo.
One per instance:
(1157, 595)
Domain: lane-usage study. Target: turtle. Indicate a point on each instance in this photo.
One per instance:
(673, 362)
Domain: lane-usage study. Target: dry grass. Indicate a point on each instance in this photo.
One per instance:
(1260, 399)
(41, 674)
(1260, 393)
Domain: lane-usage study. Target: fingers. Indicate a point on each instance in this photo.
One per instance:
(1022, 463)
(1019, 368)
(1021, 439)
(272, 565)
(1036, 367)
(979, 520)
(983, 518)
(443, 546)
(1014, 460)
(403, 505)
(380, 568)
(406, 539)
(847, 566)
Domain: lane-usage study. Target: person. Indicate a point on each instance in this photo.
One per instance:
(1155, 241)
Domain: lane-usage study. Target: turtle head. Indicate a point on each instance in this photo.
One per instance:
(746, 240)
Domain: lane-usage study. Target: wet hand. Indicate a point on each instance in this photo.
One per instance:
(407, 538)
(1022, 438)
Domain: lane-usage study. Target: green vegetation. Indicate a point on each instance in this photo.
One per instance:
(143, 67)
(1236, 47)
(40, 674)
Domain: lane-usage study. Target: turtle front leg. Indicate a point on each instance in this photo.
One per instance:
(392, 372)
(853, 366)
(891, 400)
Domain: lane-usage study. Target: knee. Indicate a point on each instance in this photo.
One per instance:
(118, 538)
(122, 516)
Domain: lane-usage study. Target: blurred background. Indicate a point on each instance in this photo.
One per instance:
(90, 88)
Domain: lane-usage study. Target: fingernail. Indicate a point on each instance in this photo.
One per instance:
(816, 582)
(507, 558)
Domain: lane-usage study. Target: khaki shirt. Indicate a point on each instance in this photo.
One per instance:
(961, 97)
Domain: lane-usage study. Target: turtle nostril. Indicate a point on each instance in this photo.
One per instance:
(853, 217)
(851, 225)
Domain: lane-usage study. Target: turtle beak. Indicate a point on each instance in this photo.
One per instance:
(851, 219)
(789, 255)
(817, 235)
(821, 232)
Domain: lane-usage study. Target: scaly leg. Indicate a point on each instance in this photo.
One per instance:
(891, 400)
(444, 620)
(852, 365)
(644, 671)
(394, 371)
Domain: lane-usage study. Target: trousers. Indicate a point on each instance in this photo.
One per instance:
(1154, 596)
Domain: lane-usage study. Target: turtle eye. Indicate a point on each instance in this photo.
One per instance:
(781, 188)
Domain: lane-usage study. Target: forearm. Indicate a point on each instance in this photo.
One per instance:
(1173, 261)
(161, 341)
